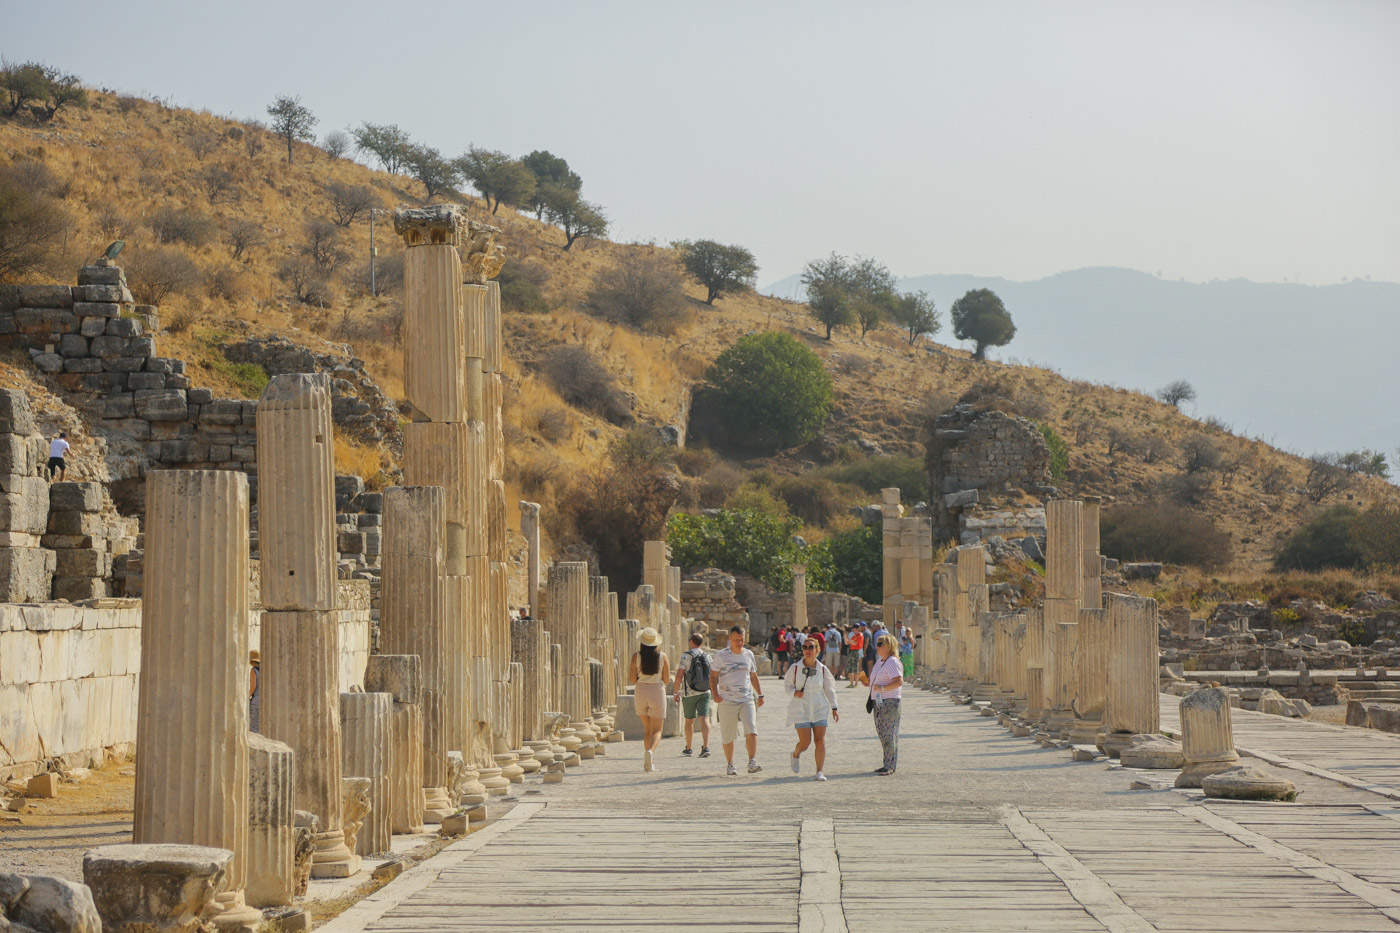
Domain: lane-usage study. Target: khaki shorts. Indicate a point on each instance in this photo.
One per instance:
(696, 707)
(730, 716)
(650, 700)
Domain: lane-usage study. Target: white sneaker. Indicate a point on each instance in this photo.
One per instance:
(796, 764)
(819, 777)
(646, 762)
(754, 766)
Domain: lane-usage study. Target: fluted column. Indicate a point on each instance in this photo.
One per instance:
(365, 722)
(971, 571)
(1064, 549)
(1132, 705)
(434, 338)
(413, 621)
(271, 823)
(1092, 588)
(1036, 656)
(400, 676)
(495, 338)
(568, 622)
(1091, 693)
(192, 712)
(799, 596)
(978, 600)
(530, 529)
(440, 455)
(529, 650)
(1207, 737)
(627, 645)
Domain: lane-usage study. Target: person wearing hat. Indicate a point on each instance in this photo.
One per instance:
(254, 690)
(651, 671)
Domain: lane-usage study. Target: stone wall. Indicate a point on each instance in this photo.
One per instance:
(769, 609)
(984, 466)
(68, 684)
(708, 596)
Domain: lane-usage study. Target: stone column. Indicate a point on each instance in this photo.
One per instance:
(530, 529)
(568, 623)
(628, 642)
(799, 596)
(1131, 706)
(192, 714)
(400, 676)
(300, 626)
(1091, 677)
(1091, 590)
(271, 823)
(1207, 738)
(365, 721)
(556, 675)
(434, 334)
(413, 621)
(531, 652)
(1035, 656)
(1066, 645)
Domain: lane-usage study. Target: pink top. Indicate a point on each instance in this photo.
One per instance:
(882, 673)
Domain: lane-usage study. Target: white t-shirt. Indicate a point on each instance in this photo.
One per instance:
(58, 447)
(833, 641)
(734, 670)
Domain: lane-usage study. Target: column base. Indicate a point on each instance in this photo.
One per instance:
(510, 770)
(1195, 771)
(542, 751)
(236, 916)
(332, 858)
(496, 785)
(525, 759)
(437, 806)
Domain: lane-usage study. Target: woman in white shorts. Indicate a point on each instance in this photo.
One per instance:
(812, 687)
(651, 671)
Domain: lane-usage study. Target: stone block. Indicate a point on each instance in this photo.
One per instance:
(17, 456)
(15, 415)
(124, 364)
(121, 405)
(162, 887)
(74, 589)
(82, 364)
(104, 347)
(49, 363)
(123, 327)
(26, 574)
(82, 562)
(75, 497)
(19, 658)
(222, 411)
(42, 785)
(93, 326)
(102, 309)
(106, 293)
(52, 904)
(104, 382)
(46, 296)
(194, 396)
(138, 380)
(71, 345)
(177, 381)
(76, 523)
(101, 275)
(350, 542)
(161, 364)
(161, 404)
(26, 509)
(141, 346)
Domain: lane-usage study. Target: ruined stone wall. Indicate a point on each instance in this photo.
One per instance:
(983, 466)
(769, 609)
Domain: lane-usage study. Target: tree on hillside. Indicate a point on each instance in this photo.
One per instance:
(436, 172)
(348, 202)
(336, 143)
(1327, 475)
(32, 223)
(642, 291)
(769, 391)
(291, 120)
(548, 169)
(42, 88)
(386, 141)
(842, 290)
(916, 314)
(575, 216)
(500, 178)
(1176, 392)
(718, 267)
(980, 316)
(1366, 463)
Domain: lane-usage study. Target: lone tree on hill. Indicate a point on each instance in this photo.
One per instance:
(438, 174)
(499, 178)
(291, 121)
(980, 316)
(575, 216)
(1174, 393)
(769, 391)
(42, 88)
(718, 267)
(548, 169)
(916, 314)
(841, 291)
(389, 144)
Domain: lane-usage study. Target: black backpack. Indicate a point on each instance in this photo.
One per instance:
(697, 672)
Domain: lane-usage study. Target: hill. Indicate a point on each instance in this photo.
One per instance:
(178, 183)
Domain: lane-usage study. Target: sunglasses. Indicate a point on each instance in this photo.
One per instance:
(809, 647)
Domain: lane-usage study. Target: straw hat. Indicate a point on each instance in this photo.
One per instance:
(650, 637)
(254, 657)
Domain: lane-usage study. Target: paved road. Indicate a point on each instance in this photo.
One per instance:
(977, 832)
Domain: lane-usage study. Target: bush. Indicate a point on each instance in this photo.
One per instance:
(738, 540)
(32, 225)
(1200, 454)
(766, 392)
(522, 288)
(1378, 535)
(309, 284)
(1059, 451)
(857, 564)
(349, 202)
(582, 381)
(172, 224)
(642, 292)
(1328, 540)
(875, 473)
(156, 274)
(813, 499)
(623, 505)
(1162, 532)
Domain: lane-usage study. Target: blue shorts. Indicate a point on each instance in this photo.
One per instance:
(809, 725)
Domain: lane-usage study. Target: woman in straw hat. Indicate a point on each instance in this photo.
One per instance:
(650, 672)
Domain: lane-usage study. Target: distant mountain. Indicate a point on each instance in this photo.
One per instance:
(1307, 368)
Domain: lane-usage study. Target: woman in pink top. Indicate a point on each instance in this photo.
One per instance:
(886, 679)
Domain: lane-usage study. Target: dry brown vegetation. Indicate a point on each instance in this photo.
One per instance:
(260, 231)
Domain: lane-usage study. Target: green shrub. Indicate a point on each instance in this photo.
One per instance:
(1328, 540)
(856, 561)
(766, 392)
(1159, 531)
(1059, 451)
(522, 288)
(811, 498)
(872, 474)
(1354, 631)
(738, 540)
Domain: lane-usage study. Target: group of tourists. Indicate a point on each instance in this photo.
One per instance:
(728, 679)
(848, 651)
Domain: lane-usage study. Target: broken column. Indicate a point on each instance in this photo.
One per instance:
(1091, 591)
(271, 823)
(1063, 588)
(799, 597)
(400, 677)
(971, 571)
(192, 715)
(1131, 706)
(568, 622)
(1091, 677)
(140, 889)
(1034, 655)
(1207, 738)
(413, 621)
(530, 529)
(300, 626)
(365, 723)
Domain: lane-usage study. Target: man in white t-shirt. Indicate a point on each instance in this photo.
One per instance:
(833, 650)
(734, 686)
(58, 449)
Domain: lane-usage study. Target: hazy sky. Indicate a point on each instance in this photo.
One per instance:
(1198, 140)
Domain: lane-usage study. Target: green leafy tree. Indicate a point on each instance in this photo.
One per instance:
(980, 316)
(548, 169)
(857, 563)
(437, 174)
(43, 88)
(292, 121)
(388, 143)
(717, 267)
(500, 178)
(738, 540)
(842, 291)
(573, 215)
(770, 391)
(1366, 463)
(915, 314)
(1059, 451)
(1328, 540)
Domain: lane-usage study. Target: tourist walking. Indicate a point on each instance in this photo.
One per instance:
(58, 452)
(693, 692)
(906, 649)
(832, 658)
(812, 688)
(886, 679)
(777, 650)
(734, 686)
(872, 638)
(650, 671)
(855, 650)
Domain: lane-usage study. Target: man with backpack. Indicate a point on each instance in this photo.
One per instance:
(693, 692)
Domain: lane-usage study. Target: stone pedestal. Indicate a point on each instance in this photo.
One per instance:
(271, 823)
(1131, 706)
(1207, 739)
(192, 715)
(154, 888)
(400, 677)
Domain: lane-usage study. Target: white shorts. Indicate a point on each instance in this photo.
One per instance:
(730, 715)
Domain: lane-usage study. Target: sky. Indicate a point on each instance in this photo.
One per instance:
(1195, 140)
